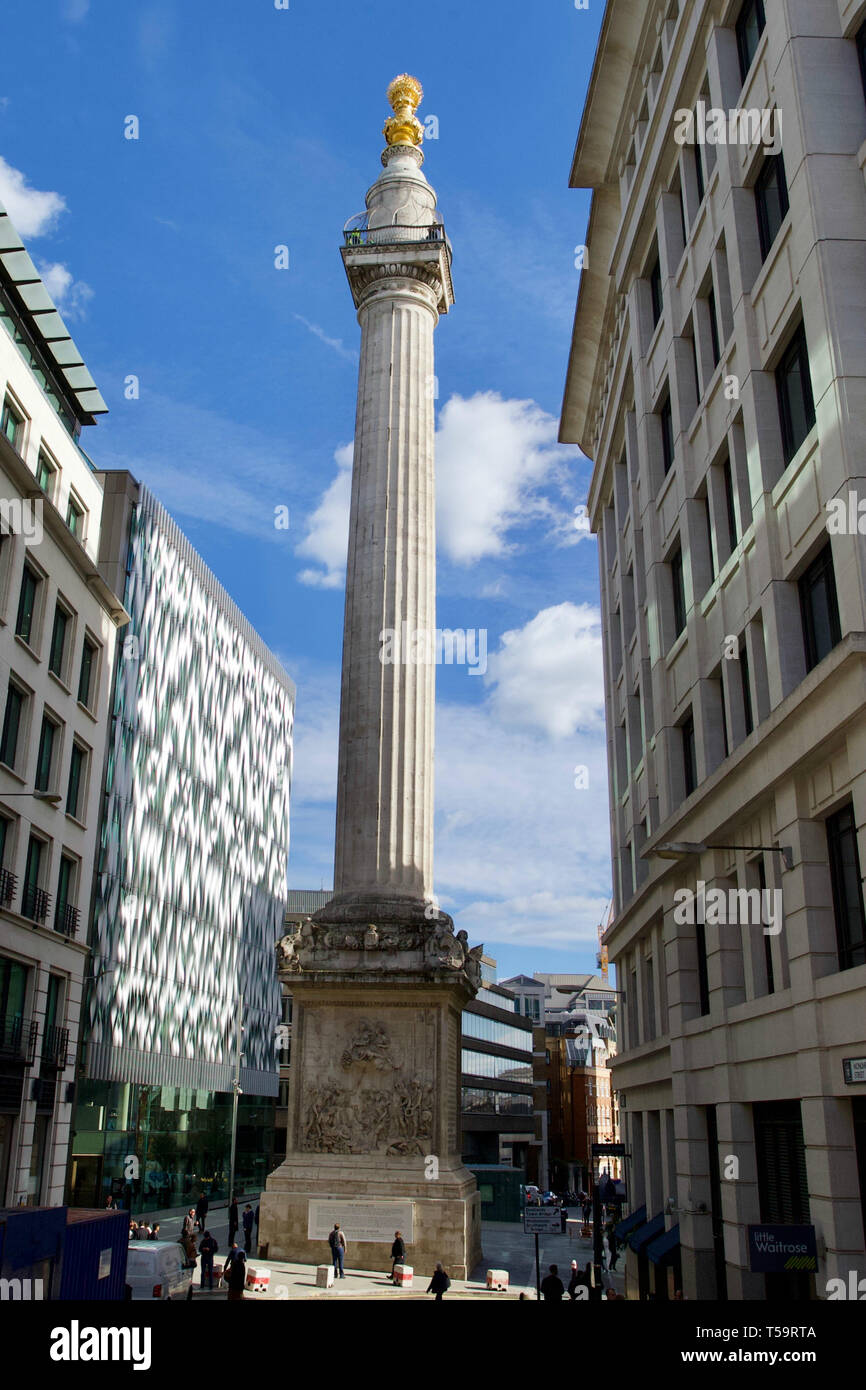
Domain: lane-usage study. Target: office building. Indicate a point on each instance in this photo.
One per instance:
(191, 882)
(716, 381)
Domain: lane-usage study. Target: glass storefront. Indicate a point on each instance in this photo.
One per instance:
(156, 1147)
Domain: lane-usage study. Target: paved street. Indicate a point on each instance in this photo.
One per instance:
(505, 1247)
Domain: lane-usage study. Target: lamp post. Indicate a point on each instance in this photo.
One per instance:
(236, 1092)
(684, 849)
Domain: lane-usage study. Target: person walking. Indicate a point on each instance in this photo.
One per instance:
(201, 1207)
(613, 1243)
(337, 1242)
(154, 1231)
(398, 1253)
(234, 1222)
(552, 1287)
(587, 1210)
(439, 1284)
(236, 1277)
(207, 1249)
(248, 1219)
(574, 1281)
(189, 1223)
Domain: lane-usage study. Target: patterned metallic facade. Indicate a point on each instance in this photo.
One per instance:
(191, 885)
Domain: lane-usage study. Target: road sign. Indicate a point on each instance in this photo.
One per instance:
(608, 1150)
(541, 1220)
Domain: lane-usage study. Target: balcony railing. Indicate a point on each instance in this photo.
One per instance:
(8, 887)
(17, 1038)
(55, 1046)
(66, 919)
(394, 235)
(35, 903)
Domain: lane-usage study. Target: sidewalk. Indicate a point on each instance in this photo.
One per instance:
(505, 1247)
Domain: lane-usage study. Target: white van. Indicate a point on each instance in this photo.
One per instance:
(157, 1269)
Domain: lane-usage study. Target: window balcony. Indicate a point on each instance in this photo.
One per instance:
(8, 887)
(17, 1039)
(35, 903)
(55, 1048)
(66, 920)
(357, 233)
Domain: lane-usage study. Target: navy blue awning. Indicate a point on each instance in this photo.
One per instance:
(628, 1223)
(644, 1234)
(663, 1248)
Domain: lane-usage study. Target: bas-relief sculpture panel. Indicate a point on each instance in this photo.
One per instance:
(370, 1088)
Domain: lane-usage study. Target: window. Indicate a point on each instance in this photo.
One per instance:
(77, 765)
(695, 365)
(860, 41)
(24, 623)
(703, 973)
(655, 279)
(730, 508)
(748, 717)
(34, 901)
(65, 886)
(11, 726)
(45, 471)
(46, 751)
(679, 591)
(667, 428)
(771, 201)
(794, 390)
(750, 27)
(714, 328)
(88, 665)
(690, 763)
(768, 940)
(847, 889)
(705, 507)
(12, 425)
(58, 641)
(699, 164)
(13, 992)
(75, 517)
(819, 608)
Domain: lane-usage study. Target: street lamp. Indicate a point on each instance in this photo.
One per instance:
(52, 798)
(684, 849)
(236, 1092)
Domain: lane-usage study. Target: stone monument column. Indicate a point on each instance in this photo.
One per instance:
(378, 977)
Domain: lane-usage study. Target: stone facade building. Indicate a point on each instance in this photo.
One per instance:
(716, 380)
(58, 628)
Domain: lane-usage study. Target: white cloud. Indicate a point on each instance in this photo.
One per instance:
(492, 457)
(71, 296)
(33, 212)
(337, 344)
(327, 538)
(548, 674)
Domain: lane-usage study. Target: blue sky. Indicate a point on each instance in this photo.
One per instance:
(261, 127)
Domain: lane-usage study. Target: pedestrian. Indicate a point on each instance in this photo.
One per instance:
(154, 1231)
(233, 1219)
(337, 1242)
(439, 1284)
(398, 1253)
(587, 1210)
(234, 1251)
(110, 1204)
(574, 1281)
(593, 1282)
(613, 1245)
(189, 1223)
(552, 1288)
(207, 1250)
(563, 1218)
(248, 1219)
(258, 1209)
(236, 1277)
(144, 1231)
(133, 1229)
(201, 1207)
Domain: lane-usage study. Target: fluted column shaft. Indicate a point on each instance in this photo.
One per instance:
(384, 840)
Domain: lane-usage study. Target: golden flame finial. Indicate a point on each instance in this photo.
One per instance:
(404, 128)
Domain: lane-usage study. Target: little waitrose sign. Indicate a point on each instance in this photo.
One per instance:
(779, 1249)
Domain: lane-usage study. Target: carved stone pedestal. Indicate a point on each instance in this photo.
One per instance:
(374, 1100)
